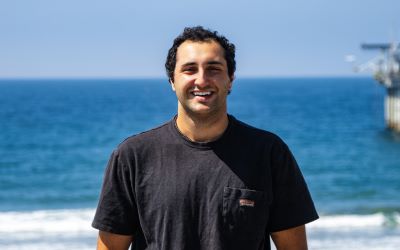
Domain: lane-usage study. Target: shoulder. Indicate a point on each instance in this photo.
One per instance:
(144, 140)
(255, 135)
(148, 136)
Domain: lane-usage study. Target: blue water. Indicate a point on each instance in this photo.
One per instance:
(56, 137)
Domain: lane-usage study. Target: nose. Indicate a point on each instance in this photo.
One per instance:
(201, 79)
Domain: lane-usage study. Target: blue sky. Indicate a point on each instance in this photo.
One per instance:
(121, 38)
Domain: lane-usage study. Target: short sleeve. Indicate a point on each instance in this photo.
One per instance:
(117, 210)
(292, 204)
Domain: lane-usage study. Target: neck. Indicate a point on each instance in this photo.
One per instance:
(202, 129)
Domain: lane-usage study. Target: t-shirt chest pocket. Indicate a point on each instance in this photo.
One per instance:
(245, 213)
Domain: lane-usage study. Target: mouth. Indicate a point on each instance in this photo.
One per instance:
(202, 93)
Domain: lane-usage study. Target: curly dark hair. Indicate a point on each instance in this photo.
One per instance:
(200, 34)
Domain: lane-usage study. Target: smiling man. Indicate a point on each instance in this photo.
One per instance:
(203, 180)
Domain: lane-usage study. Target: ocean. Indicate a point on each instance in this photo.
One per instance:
(56, 137)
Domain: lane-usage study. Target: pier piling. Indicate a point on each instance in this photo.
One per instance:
(392, 108)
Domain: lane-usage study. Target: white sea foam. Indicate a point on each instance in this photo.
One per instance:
(46, 221)
(47, 229)
(356, 221)
(376, 231)
(71, 229)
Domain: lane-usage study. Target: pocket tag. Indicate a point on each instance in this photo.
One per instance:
(246, 203)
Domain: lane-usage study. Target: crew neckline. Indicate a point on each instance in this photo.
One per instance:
(200, 145)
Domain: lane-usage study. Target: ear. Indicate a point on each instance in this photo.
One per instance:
(172, 84)
(232, 77)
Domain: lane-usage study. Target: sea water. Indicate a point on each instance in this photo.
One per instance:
(56, 137)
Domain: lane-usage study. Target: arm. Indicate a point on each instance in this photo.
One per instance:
(116, 211)
(291, 239)
(110, 241)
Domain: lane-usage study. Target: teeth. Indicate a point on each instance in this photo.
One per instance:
(202, 93)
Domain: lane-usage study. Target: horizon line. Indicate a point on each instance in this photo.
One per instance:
(165, 78)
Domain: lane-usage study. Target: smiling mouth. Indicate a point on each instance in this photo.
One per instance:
(202, 93)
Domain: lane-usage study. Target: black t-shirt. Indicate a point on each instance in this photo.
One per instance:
(171, 193)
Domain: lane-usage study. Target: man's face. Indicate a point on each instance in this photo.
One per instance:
(201, 79)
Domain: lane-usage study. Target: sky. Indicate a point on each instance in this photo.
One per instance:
(130, 39)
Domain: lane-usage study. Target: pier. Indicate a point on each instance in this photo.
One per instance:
(386, 69)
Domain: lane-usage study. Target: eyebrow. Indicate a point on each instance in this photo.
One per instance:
(214, 63)
(208, 63)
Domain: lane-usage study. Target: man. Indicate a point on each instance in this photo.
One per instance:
(204, 180)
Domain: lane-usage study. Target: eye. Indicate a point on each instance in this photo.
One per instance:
(214, 69)
(189, 70)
